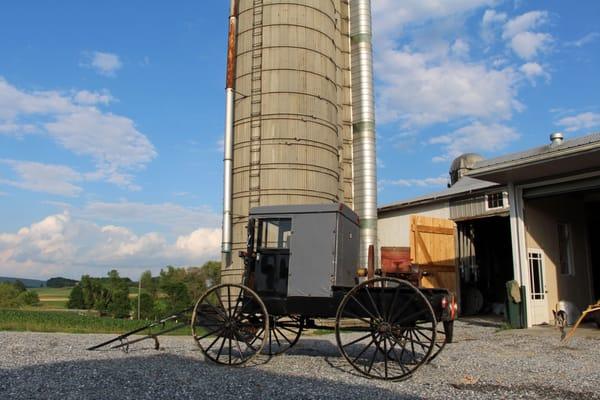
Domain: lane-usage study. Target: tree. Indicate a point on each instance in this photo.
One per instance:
(9, 295)
(88, 292)
(147, 309)
(20, 286)
(198, 280)
(28, 298)
(149, 284)
(60, 282)
(76, 298)
(118, 305)
(212, 273)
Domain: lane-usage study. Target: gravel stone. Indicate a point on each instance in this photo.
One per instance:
(483, 363)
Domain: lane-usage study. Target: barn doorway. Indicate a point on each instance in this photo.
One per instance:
(485, 264)
(592, 211)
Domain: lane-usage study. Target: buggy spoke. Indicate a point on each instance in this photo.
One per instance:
(372, 301)
(385, 357)
(391, 305)
(209, 333)
(363, 307)
(221, 348)
(283, 336)
(358, 340)
(363, 350)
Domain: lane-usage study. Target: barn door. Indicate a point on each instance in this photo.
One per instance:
(433, 249)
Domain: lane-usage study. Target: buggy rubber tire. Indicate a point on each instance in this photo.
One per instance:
(222, 323)
(384, 313)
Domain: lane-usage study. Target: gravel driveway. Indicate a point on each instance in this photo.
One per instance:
(483, 363)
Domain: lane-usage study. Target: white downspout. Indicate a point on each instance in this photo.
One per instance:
(228, 140)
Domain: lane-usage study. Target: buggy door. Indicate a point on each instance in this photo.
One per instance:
(273, 256)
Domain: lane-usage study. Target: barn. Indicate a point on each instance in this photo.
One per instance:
(531, 216)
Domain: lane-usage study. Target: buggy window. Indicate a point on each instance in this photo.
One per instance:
(275, 233)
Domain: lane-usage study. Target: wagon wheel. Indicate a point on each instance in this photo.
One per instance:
(284, 332)
(385, 328)
(229, 324)
(440, 341)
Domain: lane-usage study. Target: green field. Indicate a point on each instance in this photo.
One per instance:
(47, 292)
(71, 322)
(52, 298)
(56, 298)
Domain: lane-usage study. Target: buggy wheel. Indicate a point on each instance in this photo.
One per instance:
(385, 328)
(440, 341)
(284, 332)
(230, 324)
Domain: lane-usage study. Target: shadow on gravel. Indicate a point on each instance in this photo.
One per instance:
(527, 391)
(167, 376)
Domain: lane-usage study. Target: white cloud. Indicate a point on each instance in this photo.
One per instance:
(61, 244)
(14, 102)
(476, 137)
(589, 38)
(85, 97)
(527, 45)
(492, 17)
(419, 91)
(174, 216)
(106, 64)
(431, 80)
(46, 178)
(12, 128)
(412, 182)
(112, 141)
(391, 17)
(533, 70)
(489, 23)
(523, 41)
(523, 23)
(460, 48)
(583, 121)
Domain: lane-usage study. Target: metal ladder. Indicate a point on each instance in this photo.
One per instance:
(255, 100)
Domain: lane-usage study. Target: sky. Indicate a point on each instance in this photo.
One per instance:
(112, 114)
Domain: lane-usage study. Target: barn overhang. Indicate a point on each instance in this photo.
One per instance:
(574, 157)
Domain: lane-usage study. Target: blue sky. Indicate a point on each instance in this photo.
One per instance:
(111, 115)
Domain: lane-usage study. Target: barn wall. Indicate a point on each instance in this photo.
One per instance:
(475, 206)
(541, 219)
(394, 226)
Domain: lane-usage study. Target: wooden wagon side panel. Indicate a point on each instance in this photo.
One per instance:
(432, 247)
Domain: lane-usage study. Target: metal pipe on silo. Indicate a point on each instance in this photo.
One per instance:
(228, 140)
(363, 124)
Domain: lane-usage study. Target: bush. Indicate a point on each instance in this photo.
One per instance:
(28, 298)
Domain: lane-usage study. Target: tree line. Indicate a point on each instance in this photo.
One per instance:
(173, 290)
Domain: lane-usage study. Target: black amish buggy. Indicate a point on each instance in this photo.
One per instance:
(302, 272)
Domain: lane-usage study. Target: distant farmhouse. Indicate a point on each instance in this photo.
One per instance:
(531, 216)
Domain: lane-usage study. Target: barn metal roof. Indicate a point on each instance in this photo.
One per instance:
(464, 186)
(570, 156)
